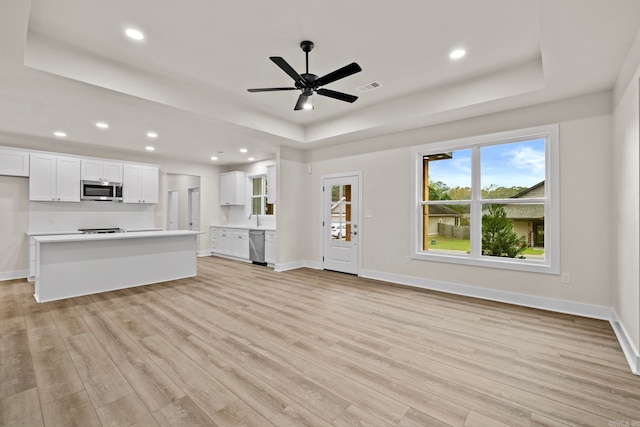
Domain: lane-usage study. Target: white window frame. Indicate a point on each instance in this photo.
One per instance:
(262, 196)
(551, 263)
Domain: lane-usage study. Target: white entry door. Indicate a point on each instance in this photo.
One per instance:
(340, 224)
(172, 214)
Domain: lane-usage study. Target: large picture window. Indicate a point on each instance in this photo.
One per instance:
(490, 200)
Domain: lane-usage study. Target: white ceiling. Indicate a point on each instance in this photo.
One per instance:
(66, 64)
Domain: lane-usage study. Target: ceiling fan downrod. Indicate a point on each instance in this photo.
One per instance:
(306, 47)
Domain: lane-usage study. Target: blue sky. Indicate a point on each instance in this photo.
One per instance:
(505, 165)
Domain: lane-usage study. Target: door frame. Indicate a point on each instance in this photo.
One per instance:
(358, 175)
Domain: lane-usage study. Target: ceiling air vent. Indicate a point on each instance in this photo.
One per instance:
(369, 86)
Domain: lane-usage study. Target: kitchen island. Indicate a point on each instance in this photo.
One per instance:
(82, 264)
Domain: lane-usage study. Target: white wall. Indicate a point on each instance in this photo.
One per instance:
(14, 245)
(626, 195)
(293, 210)
(585, 140)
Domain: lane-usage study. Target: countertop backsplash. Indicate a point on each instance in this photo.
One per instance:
(58, 216)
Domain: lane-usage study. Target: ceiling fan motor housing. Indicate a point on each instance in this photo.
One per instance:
(306, 46)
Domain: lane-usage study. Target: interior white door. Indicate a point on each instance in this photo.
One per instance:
(340, 229)
(194, 209)
(194, 212)
(172, 213)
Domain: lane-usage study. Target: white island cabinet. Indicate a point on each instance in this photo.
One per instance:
(73, 265)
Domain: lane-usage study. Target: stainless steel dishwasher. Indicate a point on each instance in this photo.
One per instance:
(256, 246)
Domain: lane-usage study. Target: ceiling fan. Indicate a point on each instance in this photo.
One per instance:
(309, 83)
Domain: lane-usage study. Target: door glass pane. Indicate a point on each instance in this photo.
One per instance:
(446, 228)
(335, 193)
(341, 212)
(346, 193)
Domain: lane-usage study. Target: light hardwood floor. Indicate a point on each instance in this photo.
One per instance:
(242, 345)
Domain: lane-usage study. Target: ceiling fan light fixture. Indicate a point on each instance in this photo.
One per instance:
(309, 105)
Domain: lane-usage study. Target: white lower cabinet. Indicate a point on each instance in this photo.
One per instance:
(240, 244)
(270, 254)
(230, 242)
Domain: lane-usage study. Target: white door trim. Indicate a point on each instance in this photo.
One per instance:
(357, 174)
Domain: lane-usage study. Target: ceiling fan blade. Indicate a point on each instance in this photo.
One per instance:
(338, 74)
(302, 99)
(271, 89)
(284, 65)
(337, 95)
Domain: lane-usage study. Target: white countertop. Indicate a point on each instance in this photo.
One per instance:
(51, 233)
(60, 233)
(111, 236)
(244, 227)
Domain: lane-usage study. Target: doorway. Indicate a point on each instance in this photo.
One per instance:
(341, 223)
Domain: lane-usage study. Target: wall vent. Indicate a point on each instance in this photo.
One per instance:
(369, 86)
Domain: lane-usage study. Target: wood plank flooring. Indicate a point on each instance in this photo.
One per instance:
(240, 345)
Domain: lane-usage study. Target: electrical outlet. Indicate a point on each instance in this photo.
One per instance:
(566, 277)
(406, 260)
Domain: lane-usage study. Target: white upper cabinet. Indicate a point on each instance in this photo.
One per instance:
(140, 184)
(232, 185)
(14, 162)
(99, 170)
(271, 184)
(54, 178)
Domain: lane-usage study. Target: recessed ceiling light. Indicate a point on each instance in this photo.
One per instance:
(457, 53)
(214, 158)
(251, 159)
(102, 125)
(134, 34)
(243, 150)
(60, 134)
(152, 134)
(149, 148)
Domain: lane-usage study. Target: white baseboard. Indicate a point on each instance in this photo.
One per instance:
(297, 264)
(629, 350)
(12, 275)
(204, 253)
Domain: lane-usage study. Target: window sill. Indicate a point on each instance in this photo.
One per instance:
(532, 266)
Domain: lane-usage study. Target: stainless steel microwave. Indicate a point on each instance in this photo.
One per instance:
(101, 190)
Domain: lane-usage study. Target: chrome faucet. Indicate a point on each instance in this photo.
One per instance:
(257, 218)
